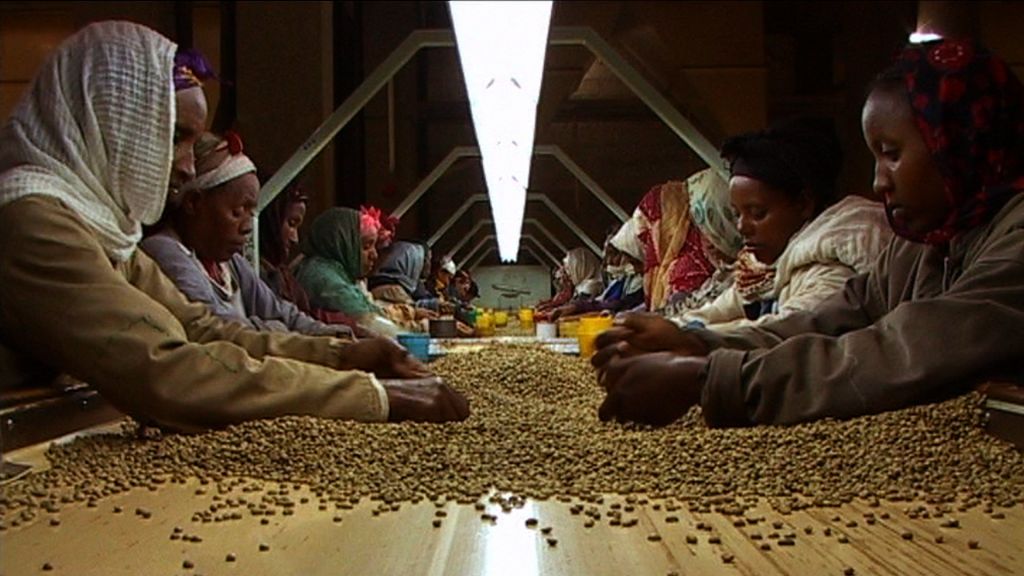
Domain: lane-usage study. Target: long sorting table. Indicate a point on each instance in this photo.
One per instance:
(151, 531)
(114, 536)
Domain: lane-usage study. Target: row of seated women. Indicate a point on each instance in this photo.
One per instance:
(205, 227)
(101, 143)
(772, 241)
(775, 239)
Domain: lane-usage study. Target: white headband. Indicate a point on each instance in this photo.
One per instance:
(236, 165)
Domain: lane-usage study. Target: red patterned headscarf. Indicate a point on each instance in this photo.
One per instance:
(385, 224)
(369, 220)
(967, 105)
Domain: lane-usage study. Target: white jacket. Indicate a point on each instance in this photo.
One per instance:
(843, 241)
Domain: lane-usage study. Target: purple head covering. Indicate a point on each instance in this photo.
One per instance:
(191, 69)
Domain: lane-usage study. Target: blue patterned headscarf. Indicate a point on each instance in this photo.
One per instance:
(403, 265)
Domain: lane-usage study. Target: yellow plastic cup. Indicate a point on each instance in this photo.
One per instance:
(586, 340)
(501, 319)
(485, 324)
(569, 329)
(590, 327)
(595, 324)
(526, 318)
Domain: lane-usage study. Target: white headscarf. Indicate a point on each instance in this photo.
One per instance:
(96, 131)
(231, 166)
(627, 239)
(584, 271)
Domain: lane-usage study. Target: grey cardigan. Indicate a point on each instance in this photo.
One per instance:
(265, 310)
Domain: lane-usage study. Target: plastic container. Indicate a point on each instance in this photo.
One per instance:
(417, 344)
(501, 319)
(569, 328)
(443, 328)
(526, 318)
(485, 324)
(596, 324)
(590, 327)
(547, 330)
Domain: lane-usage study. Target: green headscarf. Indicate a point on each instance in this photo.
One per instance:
(333, 263)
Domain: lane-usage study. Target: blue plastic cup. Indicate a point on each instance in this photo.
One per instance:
(417, 344)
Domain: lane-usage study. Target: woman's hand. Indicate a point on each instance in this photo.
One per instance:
(564, 311)
(651, 389)
(384, 358)
(425, 314)
(424, 400)
(640, 333)
(464, 330)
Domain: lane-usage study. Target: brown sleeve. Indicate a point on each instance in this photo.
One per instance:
(147, 349)
(201, 326)
(922, 350)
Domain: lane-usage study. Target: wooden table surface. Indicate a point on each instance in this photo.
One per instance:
(320, 542)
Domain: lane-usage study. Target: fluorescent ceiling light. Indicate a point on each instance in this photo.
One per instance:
(501, 47)
(922, 37)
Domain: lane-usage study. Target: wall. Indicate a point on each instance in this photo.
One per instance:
(729, 66)
(285, 86)
(524, 285)
(1000, 24)
(30, 30)
(822, 55)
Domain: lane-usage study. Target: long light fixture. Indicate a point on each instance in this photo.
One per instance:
(922, 37)
(501, 47)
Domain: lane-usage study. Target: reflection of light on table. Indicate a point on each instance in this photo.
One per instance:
(509, 547)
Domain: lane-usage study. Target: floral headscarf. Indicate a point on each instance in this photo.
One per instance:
(219, 160)
(967, 105)
(678, 257)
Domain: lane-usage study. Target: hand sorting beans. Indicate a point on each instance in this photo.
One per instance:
(534, 432)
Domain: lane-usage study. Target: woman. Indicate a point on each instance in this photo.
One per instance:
(582, 282)
(340, 251)
(799, 246)
(583, 271)
(279, 237)
(940, 312)
(399, 279)
(690, 241)
(442, 270)
(85, 160)
(388, 227)
(203, 231)
(624, 268)
(563, 292)
(463, 290)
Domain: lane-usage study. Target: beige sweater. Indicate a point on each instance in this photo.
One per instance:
(843, 241)
(129, 332)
